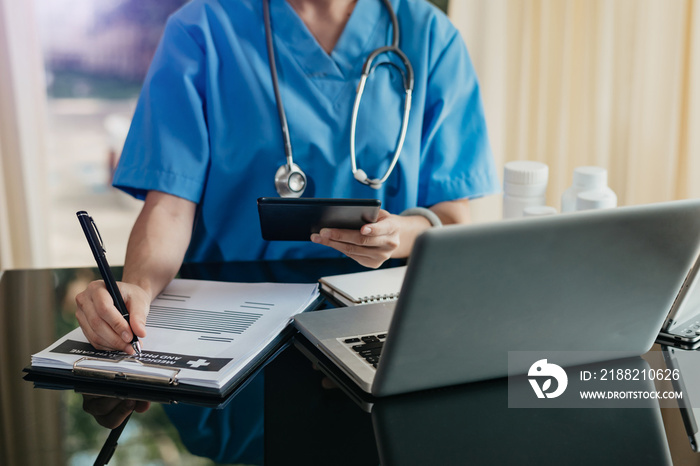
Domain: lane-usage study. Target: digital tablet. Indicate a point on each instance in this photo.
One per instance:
(287, 219)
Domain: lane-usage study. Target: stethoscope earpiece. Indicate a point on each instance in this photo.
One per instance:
(361, 176)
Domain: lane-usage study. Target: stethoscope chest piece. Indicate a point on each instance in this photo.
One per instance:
(290, 181)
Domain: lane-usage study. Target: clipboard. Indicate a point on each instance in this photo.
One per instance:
(231, 330)
(163, 391)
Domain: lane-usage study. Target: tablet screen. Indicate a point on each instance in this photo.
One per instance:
(284, 219)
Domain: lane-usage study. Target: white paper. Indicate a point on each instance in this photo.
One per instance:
(202, 332)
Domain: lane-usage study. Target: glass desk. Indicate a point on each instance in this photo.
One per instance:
(285, 416)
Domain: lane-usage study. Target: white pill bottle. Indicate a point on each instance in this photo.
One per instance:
(594, 200)
(594, 179)
(524, 185)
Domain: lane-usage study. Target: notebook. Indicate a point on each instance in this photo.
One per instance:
(586, 283)
(365, 287)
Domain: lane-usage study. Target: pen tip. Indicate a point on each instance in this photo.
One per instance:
(137, 347)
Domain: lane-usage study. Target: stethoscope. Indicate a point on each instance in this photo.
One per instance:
(290, 180)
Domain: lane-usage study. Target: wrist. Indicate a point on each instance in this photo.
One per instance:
(410, 227)
(144, 284)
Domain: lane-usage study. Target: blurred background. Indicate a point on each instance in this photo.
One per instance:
(613, 83)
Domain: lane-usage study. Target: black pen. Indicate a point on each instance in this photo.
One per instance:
(98, 250)
(110, 445)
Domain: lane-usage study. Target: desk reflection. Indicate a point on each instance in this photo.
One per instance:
(472, 424)
(233, 434)
(284, 416)
(469, 424)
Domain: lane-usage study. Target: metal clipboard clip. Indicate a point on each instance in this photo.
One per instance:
(112, 374)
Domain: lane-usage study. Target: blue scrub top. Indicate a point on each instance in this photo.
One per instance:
(206, 126)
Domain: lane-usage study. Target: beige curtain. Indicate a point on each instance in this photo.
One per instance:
(614, 83)
(23, 194)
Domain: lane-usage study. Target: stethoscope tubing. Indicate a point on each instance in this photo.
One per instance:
(376, 183)
(367, 68)
(275, 84)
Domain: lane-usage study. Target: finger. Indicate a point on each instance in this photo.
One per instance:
(104, 337)
(371, 257)
(349, 249)
(138, 305)
(109, 315)
(117, 415)
(123, 409)
(368, 257)
(142, 406)
(354, 244)
(101, 322)
(99, 405)
(350, 237)
(383, 226)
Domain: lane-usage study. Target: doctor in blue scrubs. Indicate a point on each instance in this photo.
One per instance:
(206, 139)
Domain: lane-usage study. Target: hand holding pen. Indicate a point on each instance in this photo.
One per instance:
(98, 250)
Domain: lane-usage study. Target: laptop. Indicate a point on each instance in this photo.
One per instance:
(586, 282)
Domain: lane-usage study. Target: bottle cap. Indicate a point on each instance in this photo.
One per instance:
(525, 172)
(539, 211)
(590, 177)
(602, 199)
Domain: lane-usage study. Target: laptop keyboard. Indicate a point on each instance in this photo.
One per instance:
(366, 347)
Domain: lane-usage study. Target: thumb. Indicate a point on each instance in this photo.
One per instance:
(382, 215)
(368, 228)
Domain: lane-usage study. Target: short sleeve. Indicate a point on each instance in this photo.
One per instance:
(167, 146)
(457, 160)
